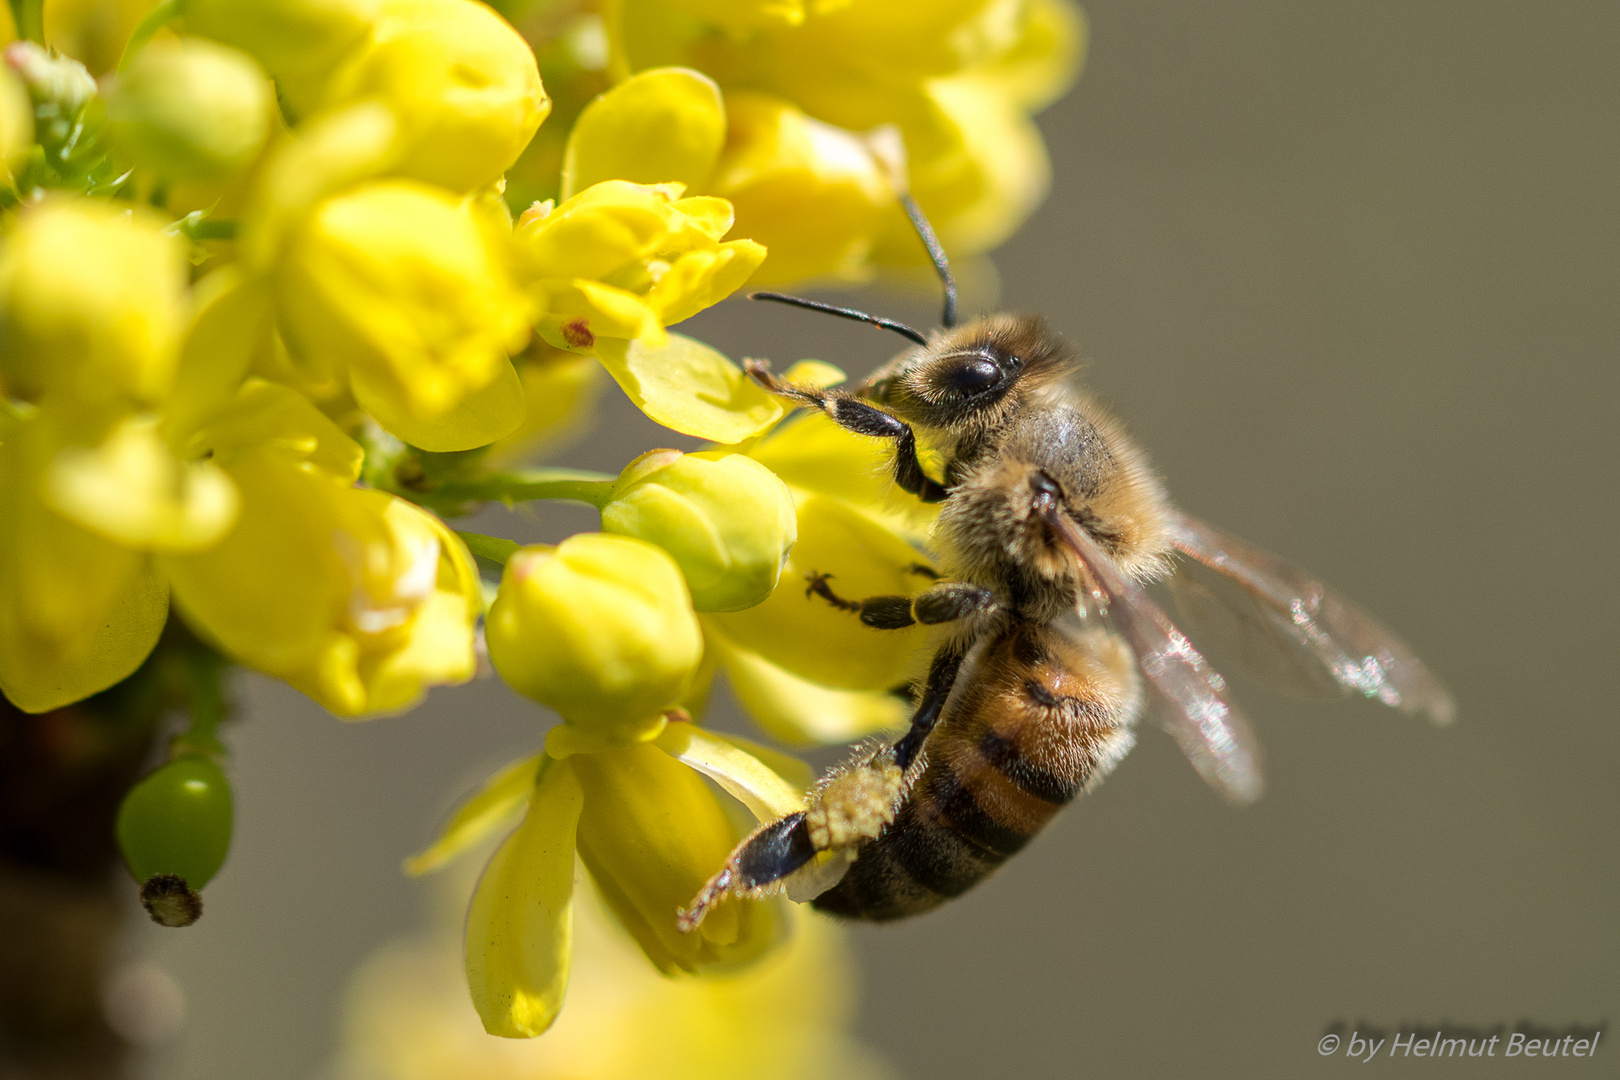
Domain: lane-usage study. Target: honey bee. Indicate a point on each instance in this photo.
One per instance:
(1049, 645)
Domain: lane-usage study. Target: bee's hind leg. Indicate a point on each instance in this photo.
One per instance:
(849, 806)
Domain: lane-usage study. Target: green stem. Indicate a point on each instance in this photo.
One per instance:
(575, 485)
(206, 675)
(497, 549)
(155, 20)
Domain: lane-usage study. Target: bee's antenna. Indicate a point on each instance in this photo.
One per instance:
(851, 313)
(936, 254)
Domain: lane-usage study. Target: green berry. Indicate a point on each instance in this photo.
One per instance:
(177, 821)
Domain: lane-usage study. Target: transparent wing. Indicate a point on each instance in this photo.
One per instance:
(1238, 630)
(1292, 613)
(1193, 705)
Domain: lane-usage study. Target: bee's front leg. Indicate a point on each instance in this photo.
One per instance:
(852, 414)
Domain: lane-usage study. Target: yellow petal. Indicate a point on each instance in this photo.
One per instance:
(520, 923)
(560, 390)
(92, 301)
(665, 124)
(77, 613)
(230, 322)
(462, 82)
(486, 810)
(746, 778)
(701, 279)
(811, 193)
(651, 834)
(814, 640)
(267, 417)
(131, 489)
(478, 419)
(690, 388)
(328, 153)
(581, 311)
(813, 454)
(799, 712)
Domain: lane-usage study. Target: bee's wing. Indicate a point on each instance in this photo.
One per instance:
(1302, 616)
(1237, 629)
(1214, 735)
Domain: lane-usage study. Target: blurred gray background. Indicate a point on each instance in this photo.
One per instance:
(1350, 273)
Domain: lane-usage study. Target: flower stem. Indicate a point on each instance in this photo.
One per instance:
(497, 549)
(205, 670)
(576, 485)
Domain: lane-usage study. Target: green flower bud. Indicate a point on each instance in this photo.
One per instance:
(174, 829)
(726, 518)
(190, 109)
(599, 628)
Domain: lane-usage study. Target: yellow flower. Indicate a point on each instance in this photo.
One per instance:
(785, 1018)
(408, 289)
(649, 831)
(623, 260)
(77, 611)
(98, 328)
(599, 628)
(461, 82)
(190, 109)
(357, 598)
(812, 193)
(958, 78)
(726, 519)
(299, 42)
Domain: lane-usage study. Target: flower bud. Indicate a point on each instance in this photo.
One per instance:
(298, 41)
(651, 832)
(727, 520)
(407, 288)
(91, 302)
(176, 823)
(599, 628)
(463, 84)
(190, 109)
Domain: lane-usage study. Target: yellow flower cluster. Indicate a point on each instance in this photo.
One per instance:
(808, 86)
(268, 309)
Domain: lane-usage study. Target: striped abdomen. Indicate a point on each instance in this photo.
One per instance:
(1041, 719)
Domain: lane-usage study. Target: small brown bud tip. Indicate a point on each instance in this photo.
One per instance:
(170, 901)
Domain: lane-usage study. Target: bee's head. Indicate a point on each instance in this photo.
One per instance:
(970, 379)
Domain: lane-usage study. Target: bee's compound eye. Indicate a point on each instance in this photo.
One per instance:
(971, 374)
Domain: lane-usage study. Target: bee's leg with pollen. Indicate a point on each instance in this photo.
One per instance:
(849, 806)
(946, 602)
(853, 414)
